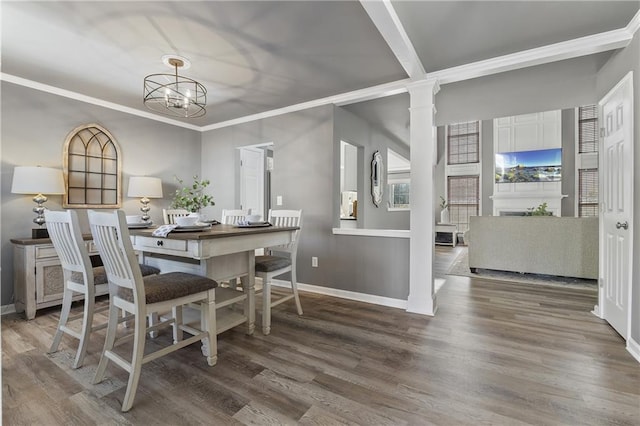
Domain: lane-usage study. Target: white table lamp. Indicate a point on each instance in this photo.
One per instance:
(145, 187)
(38, 181)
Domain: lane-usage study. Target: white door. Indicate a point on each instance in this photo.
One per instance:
(252, 180)
(616, 189)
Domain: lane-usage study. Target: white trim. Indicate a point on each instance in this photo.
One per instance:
(582, 46)
(7, 309)
(386, 20)
(633, 348)
(94, 101)
(379, 91)
(345, 294)
(634, 24)
(361, 232)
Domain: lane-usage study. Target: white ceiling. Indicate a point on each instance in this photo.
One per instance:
(259, 56)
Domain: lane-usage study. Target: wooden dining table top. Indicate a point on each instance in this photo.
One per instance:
(215, 231)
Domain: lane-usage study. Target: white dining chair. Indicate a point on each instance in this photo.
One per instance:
(79, 277)
(140, 297)
(231, 217)
(279, 260)
(169, 215)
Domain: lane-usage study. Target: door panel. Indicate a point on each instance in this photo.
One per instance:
(616, 165)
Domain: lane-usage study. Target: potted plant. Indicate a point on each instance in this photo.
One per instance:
(444, 213)
(192, 198)
(541, 210)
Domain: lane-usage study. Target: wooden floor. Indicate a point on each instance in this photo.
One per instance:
(495, 353)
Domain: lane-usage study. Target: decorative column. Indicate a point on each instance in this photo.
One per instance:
(423, 143)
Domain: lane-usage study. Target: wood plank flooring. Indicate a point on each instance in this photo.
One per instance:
(495, 353)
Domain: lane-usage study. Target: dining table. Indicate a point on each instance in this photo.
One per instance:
(220, 252)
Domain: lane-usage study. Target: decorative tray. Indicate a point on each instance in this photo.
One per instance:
(192, 228)
(139, 225)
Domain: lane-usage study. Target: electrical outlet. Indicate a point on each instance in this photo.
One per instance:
(279, 200)
(314, 262)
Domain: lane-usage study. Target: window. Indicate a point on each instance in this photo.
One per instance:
(92, 169)
(464, 199)
(588, 129)
(587, 161)
(588, 192)
(463, 143)
(399, 195)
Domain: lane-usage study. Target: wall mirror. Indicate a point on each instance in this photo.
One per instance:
(377, 179)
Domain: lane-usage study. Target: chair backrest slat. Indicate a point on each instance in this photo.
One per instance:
(170, 215)
(64, 232)
(231, 217)
(111, 236)
(287, 218)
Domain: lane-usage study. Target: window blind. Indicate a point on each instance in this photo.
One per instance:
(463, 198)
(587, 192)
(588, 129)
(463, 143)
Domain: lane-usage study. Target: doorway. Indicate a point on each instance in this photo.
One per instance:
(254, 171)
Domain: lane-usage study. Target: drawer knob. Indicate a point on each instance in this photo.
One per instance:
(159, 243)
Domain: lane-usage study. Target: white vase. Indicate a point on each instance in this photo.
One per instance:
(444, 215)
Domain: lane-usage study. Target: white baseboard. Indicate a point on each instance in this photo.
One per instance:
(634, 348)
(344, 294)
(7, 309)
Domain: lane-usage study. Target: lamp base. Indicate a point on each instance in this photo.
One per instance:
(37, 233)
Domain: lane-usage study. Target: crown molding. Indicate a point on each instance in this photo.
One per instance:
(91, 100)
(634, 24)
(582, 46)
(374, 92)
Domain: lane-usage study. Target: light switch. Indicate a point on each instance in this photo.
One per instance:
(279, 200)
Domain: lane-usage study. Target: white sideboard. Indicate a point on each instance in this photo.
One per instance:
(37, 274)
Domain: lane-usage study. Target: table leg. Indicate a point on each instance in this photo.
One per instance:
(249, 287)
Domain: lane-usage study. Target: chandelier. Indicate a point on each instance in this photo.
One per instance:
(175, 95)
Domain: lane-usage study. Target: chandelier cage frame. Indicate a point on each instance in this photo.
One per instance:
(166, 94)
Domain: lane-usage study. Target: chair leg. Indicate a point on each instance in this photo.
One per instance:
(153, 320)
(64, 317)
(266, 305)
(177, 322)
(136, 361)
(208, 323)
(85, 333)
(294, 288)
(109, 342)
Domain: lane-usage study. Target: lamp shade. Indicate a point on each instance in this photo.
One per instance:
(37, 180)
(144, 186)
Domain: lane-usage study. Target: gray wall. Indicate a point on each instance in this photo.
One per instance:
(305, 163)
(621, 62)
(353, 129)
(559, 85)
(34, 129)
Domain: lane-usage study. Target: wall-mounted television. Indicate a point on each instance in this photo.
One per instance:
(544, 165)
